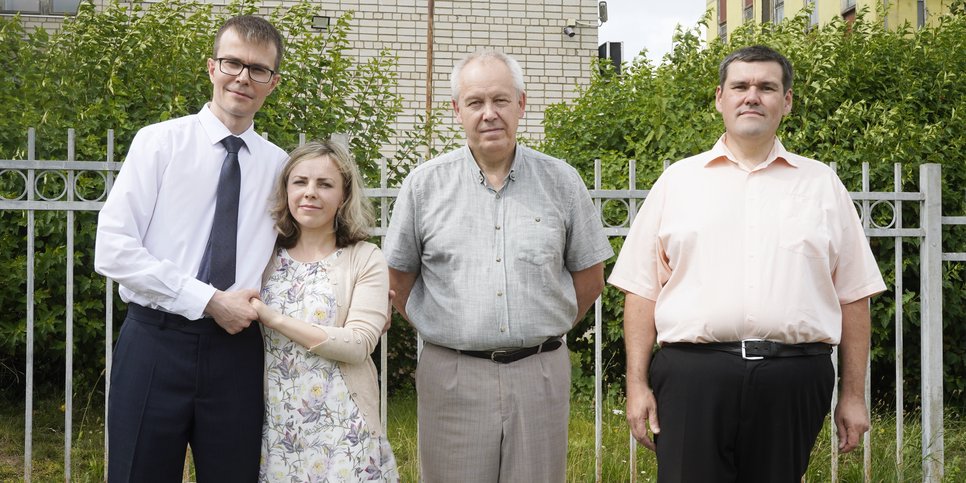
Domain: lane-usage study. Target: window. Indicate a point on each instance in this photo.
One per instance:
(766, 10)
(723, 19)
(848, 11)
(40, 7)
(611, 51)
(813, 18)
(849, 16)
(748, 12)
(779, 11)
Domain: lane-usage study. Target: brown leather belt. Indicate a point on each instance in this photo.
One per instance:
(754, 349)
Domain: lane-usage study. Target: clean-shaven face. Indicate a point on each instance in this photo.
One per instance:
(236, 98)
(751, 101)
(489, 108)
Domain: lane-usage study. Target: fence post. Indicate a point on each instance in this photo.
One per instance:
(598, 360)
(931, 327)
(69, 181)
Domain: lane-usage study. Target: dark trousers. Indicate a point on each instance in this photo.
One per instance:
(174, 384)
(727, 419)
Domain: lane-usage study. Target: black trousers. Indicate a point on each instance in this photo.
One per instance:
(174, 384)
(727, 419)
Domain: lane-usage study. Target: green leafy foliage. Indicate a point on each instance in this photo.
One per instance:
(862, 93)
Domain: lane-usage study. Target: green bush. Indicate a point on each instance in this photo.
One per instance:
(862, 93)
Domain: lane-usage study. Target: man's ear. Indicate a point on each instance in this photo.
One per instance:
(274, 82)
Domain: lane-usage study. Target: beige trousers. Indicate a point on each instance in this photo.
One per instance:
(481, 421)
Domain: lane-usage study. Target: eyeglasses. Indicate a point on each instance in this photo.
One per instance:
(262, 75)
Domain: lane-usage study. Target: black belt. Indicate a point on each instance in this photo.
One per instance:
(513, 355)
(167, 320)
(754, 349)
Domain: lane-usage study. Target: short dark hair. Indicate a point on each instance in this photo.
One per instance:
(757, 53)
(253, 29)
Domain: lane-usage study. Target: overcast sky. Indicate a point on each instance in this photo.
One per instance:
(648, 24)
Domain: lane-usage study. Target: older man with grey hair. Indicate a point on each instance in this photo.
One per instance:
(495, 251)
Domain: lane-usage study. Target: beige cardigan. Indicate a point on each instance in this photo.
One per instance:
(360, 279)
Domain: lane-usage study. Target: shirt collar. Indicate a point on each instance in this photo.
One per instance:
(477, 174)
(720, 151)
(216, 131)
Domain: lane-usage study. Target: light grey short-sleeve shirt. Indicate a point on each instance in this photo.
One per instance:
(494, 266)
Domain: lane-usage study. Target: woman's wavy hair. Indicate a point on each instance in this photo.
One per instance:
(354, 216)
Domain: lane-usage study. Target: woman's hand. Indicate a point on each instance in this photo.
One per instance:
(266, 315)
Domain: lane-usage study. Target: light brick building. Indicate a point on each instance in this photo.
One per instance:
(532, 31)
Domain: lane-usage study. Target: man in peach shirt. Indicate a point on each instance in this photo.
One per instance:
(747, 263)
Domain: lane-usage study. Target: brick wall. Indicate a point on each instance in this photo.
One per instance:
(529, 30)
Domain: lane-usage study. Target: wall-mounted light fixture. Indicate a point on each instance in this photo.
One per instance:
(320, 22)
(570, 28)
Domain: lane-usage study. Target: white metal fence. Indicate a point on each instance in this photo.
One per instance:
(32, 173)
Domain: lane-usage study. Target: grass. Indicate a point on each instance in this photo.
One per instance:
(87, 451)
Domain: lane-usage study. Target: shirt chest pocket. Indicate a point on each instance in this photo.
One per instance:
(538, 242)
(802, 227)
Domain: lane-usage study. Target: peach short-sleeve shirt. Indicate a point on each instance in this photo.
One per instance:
(730, 254)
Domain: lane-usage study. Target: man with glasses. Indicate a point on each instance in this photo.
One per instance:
(186, 233)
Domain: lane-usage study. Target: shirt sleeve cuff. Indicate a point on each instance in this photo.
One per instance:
(873, 288)
(193, 299)
(634, 288)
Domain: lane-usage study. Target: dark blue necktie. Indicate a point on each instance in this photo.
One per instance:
(218, 262)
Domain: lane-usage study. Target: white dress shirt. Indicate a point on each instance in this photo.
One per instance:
(154, 226)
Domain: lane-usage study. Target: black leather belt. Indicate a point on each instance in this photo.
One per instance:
(513, 355)
(754, 349)
(167, 320)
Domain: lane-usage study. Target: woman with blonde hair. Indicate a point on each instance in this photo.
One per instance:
(324, 304)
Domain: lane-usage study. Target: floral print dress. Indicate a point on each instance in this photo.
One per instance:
(313, 430)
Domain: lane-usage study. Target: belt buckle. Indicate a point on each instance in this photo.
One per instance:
(744, 354)
(494, 354)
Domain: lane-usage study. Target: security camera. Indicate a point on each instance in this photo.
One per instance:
(569, 31)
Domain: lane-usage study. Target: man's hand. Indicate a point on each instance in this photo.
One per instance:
(641, 413)
(851, 422)
(231, 310)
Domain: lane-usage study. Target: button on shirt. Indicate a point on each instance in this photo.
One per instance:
(154, 226)
(730, 254)
(494, 266)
